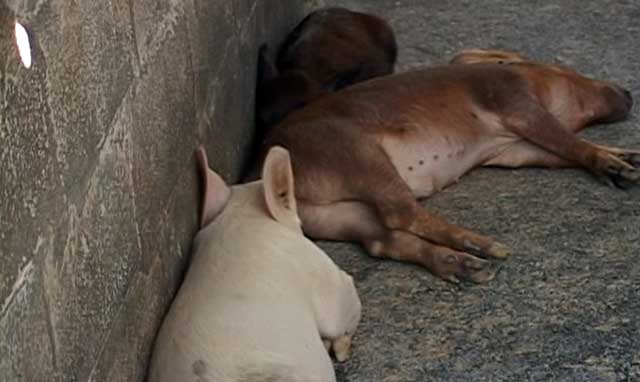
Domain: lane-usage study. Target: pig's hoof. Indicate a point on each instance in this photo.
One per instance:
(342, 348)
(456, 266)
(499, 250)
(621, 168)
(631, 156)
(482, 276)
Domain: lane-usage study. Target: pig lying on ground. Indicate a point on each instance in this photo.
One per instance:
(330, 49)
(260, 302)
(363, 155)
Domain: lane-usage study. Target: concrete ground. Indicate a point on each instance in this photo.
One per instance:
(566, 307)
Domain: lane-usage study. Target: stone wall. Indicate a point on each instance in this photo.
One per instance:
(98, 189)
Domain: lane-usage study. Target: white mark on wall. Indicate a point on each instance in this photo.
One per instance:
(164, 30)
(23, 44)
(39, 243)
(249, 20)
(25, 277)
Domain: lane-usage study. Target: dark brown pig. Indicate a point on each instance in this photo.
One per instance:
(330, 49)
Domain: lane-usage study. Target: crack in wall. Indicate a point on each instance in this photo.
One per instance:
(137, 68)
(49, 321)
(140, 279)
(24, 278)
(32, 11)
(163, 32)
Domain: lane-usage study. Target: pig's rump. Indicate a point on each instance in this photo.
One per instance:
(252, 317)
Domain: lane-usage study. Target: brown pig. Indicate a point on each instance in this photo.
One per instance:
(362, 156)
(330, 49)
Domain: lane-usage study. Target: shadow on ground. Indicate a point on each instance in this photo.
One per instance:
(566, 307)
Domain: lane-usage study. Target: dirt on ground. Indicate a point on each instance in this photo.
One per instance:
(566, 306)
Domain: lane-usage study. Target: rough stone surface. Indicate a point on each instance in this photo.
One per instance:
(566, 307)
(98, 190)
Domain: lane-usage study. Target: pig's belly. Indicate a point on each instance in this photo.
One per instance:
(430, 162)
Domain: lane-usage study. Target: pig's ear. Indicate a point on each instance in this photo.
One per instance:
(277, 178)
(215, 192)
(266, 68)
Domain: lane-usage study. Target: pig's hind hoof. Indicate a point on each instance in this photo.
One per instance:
(499, 251)
(623, 168)
(459, 266)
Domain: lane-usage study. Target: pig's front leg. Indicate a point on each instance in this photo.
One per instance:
(340, 346)
(338, 311)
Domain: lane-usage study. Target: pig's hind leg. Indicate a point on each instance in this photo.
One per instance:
(350, 190)
(524, 116)
(525, 154)
(355, 221)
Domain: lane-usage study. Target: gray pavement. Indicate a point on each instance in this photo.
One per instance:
(566, 307)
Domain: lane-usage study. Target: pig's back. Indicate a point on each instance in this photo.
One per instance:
(242, 309)
(235, 344)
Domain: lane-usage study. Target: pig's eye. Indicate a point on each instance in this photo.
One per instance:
(24, 46)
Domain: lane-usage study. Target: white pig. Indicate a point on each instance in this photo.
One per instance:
(260, 302)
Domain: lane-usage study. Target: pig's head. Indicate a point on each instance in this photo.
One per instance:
(284, 94)
(280, 93)
(276, 188)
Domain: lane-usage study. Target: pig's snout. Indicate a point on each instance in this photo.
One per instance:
(620, 102)
(628, 97)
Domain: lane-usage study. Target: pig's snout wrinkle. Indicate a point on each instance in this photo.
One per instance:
(628, 96)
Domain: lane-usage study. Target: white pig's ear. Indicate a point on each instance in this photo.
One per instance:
(215, 192)
(277, 178)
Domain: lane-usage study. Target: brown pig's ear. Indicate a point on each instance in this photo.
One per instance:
(266, 67)
(215, 191)
(277, 178)
(475, 56)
